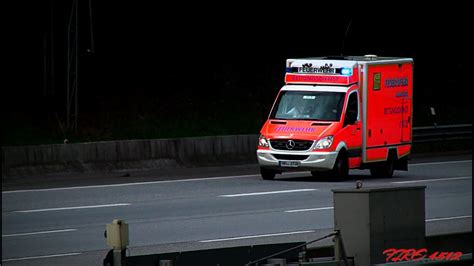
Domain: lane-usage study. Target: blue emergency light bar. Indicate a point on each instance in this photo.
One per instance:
(338, 71)
(346, 71)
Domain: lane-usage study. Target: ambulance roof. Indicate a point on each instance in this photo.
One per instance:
(349, 60)
(333, 70)
(353, 58)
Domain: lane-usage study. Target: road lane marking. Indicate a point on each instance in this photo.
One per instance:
(427, 220)
(256, 236)
(267, 193)
(131, 184)
(313, 209)
(449, 218)
(433, 180)
(75, 208)
(183, 180)
(43, 257)
(435, 163)
(39, 233)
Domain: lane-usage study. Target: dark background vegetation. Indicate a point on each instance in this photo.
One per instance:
(160, 71)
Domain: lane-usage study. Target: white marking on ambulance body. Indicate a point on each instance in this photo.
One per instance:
(315, 88)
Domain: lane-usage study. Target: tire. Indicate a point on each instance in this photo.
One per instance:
(340, 170)
(267, 174)
(383, 170)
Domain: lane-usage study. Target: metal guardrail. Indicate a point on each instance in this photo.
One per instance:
(440, 133)
(256, 262)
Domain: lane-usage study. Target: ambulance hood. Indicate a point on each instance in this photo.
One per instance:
(297, 129)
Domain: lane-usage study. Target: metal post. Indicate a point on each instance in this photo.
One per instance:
(117, 256)
(337, 247)
(52, 92)
(117, 238)
(339, 251)
(77, 66)
(45, 65)
(68, 72)
(72, 69)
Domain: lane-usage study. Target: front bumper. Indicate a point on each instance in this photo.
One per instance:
(315, 161)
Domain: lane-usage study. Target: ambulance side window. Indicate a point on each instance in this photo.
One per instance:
(352, 111)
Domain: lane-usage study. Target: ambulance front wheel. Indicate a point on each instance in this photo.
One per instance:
(267, 174)
(341, 166)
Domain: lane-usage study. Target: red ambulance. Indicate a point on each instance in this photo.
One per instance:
(340, 113)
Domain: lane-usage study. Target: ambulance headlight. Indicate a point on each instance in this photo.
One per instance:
(263, 142)
(324, 143)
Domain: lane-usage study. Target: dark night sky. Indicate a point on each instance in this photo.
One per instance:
(146, 51)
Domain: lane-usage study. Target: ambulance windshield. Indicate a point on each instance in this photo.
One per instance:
(308, 105)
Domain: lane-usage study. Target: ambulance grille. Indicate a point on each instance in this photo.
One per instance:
(300, 145)
(290, 157)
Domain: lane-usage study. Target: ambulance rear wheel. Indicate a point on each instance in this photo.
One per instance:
(383, 170)
(340, 170)
(267, 174)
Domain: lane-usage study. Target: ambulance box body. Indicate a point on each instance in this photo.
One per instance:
(340, 113)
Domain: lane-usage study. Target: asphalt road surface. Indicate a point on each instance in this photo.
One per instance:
(65, 225)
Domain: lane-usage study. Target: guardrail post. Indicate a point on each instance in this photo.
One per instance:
(117, 238)
(165, 263)
(337, 246)
(339, 250)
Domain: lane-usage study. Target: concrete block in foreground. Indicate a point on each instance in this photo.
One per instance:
(372, 220)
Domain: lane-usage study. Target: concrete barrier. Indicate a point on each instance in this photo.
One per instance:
(157, 153)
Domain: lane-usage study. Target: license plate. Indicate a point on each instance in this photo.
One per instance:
(288, 163)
